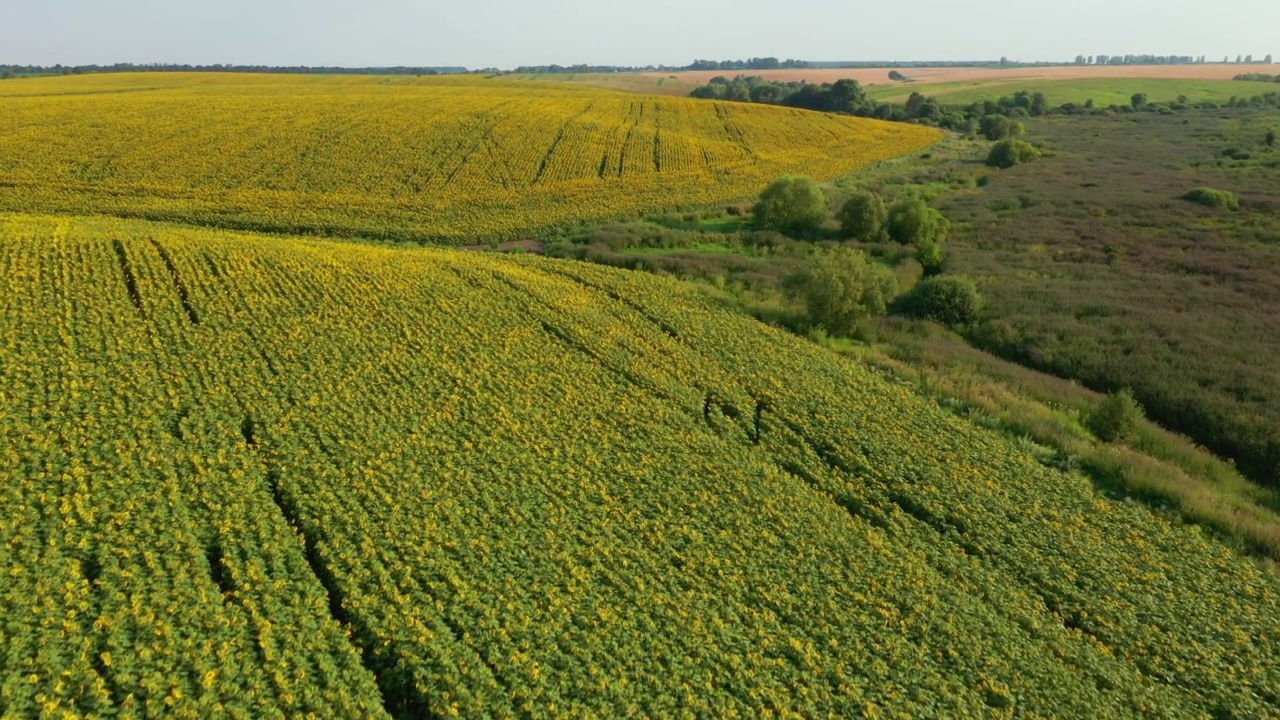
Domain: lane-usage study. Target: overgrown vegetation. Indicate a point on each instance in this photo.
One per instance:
(1210, 197)
(951, 300)
(1258, 77)
(1007, 153)
(996, 127)
(841, 287)
(791, 205)
(912, 222)
(864, 217)
(1091, 271)
(1048, 417)
(1117, 418)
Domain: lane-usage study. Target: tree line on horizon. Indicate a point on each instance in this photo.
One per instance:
(60, 69)
(755, 63)
(1158, 59)
(765, 63)
(847, 97)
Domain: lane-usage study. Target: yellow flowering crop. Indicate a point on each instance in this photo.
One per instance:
(256, 476)
(443, 159)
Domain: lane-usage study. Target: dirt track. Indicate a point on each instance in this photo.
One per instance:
(877, 76)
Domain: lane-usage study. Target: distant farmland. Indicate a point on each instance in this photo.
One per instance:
(1102, 91)
(439, 159)
(1105, 85)
(933, 75)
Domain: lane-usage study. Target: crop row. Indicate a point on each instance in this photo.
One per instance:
(445, 161)
(291, 478)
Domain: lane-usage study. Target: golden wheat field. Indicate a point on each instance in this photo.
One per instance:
(427, 159)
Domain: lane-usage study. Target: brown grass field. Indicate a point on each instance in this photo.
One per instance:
(932, 75)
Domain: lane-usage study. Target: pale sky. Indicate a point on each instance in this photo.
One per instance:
(507, 33)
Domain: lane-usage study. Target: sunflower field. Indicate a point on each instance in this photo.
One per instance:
(446, 160)
(295, 478)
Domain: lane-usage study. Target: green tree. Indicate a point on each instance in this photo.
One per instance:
(1138, 101)
(839, 287)
(1117, 417)
(1039, 104)
(999, 127)
(1007, 153)
(912, 222)
(952, 300)
(915, 101)
(1271, 138)
(863, 217)
(791, 205)
(847, 95)
(930, 257)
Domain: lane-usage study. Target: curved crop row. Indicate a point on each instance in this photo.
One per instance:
(444, 159)
(291, 478)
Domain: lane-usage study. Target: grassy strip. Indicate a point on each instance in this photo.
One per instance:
(1046, 415)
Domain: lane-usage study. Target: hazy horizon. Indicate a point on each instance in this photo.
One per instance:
(506, 34)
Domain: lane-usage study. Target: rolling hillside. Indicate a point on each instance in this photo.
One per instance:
(426, 159)
(272, 478)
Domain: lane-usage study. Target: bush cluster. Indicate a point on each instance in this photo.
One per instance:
(791, 205)
(1211, 197)
(1007, 153)
(951, 300)
(839, 287)
(1117, 417)
(863, 217)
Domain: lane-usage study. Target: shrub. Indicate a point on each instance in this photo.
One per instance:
(930, 257)
(908, 272)
(952, 300)
(1007, 153)
(839, 287)
(999, 127)
(1117, 417)
(1270, 139)
(791, 205)
(912, 222)
(1210, 197)
(863, 217)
